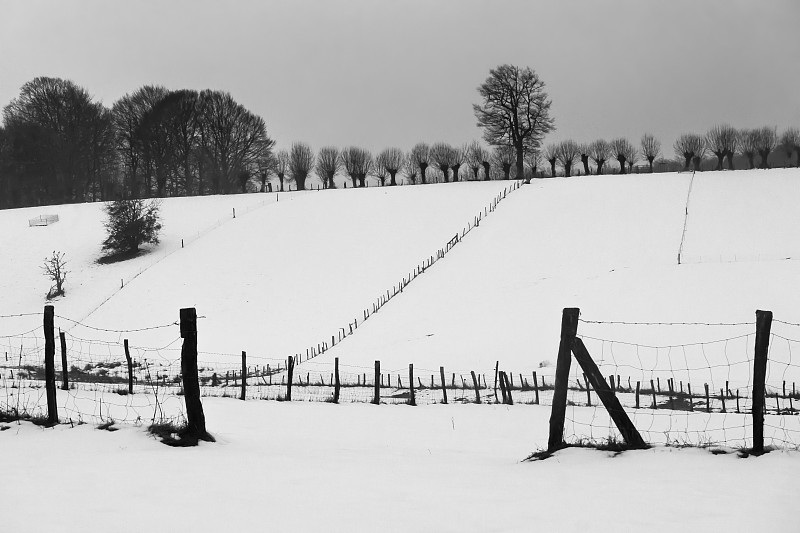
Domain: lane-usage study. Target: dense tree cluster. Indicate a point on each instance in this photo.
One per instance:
(59, 145)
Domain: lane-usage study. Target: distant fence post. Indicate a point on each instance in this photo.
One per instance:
(411, 399)
(336, 380)
(130, 366)
(64, 371)
(242, 395)
(569, 329)
(444, 385)
(376, 397)
(289, 376)
(496, 370)
(196, 420)
(49, 364)
(763, 327)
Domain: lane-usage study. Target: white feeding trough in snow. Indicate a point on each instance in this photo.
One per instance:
(43, 220)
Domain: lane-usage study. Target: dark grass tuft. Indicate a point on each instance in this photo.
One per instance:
(108, 426)
(178, 436)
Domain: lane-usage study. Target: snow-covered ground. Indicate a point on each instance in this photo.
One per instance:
(291, 270)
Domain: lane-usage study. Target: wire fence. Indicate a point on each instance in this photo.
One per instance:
(694, 393)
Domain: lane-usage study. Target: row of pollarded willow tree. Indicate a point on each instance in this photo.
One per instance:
(436, 163)
(724, 142)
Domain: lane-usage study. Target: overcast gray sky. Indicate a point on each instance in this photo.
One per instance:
(380, 73)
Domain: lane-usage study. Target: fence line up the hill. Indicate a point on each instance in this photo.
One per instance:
(685, 217)
(163, 254)
(397, 288)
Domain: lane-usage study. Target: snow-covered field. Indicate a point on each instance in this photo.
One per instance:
(291, 270)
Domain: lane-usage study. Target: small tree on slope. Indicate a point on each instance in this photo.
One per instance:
(130, 224)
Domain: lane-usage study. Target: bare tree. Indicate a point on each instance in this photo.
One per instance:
(410, 169)
(632, 156)
(551, 155)
(421, 156)
(515, 110)
(390, 161)
(281, 167)
(721, 140)
(599, 151)
(301, 161)
(583, 150)
(504, 157)
(790, 142)
(474, 155)
(567, 152)
(231, 140)
(651, 149)
(621, 150)
(357, 163)
(445, 157)
(690, 146)
(54, 268)
(328, 164)
(533, 159)
(486, 163)
(766, 141)
(748, 142)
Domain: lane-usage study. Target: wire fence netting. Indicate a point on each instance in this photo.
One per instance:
(694, 388)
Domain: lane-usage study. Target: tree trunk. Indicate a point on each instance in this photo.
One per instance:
(720, 158)
(552, 168)
(520, 162)
(650, 162)
(506, 171)
(567, 169)
(455, 172)
(621, 161)
(486, 167)
(600, 164)
(475, 171)
(280, 177)
(764, 154)
(444, 170)
(392, 180)
(585, 161)
(729, 155)
(696, 161)
(422, 168)
(688, 161)
(751, 159)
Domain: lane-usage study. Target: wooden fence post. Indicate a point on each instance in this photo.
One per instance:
(196, 420)
(588, 391)
(708, 403)
(569, 328)
(504, 377)
(64, 371)
(376, 399)
(444, 385)
(607, 396)
(653, 390)
(336, 384)
(535, 388)
(475, 384)
(637, 394)
(502, 387)
(763, 327)
(411, 399)
(130, 366)
(689, 391)
(289, 377)
(496, 369)
(242, 395)
(49, 364)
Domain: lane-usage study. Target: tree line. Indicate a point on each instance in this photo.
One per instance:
(723, 142)
(59, 145)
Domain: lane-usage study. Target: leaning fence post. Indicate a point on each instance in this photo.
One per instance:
(376, 399)
(130, 366)
(411, 399)
(64, 371)
(504, 377)
(195, 418)
(49, 364)
(569, 329)
(244, 376)
(763, 326)
(496, 369)
(535, 388)
(336, 380)
(444, 385)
